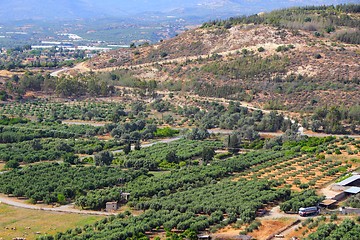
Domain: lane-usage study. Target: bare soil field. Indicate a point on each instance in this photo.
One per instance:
(267, 228)
(226, 233)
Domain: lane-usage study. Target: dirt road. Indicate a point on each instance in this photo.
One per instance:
(167, 140)
(64, 209)
(57, 72)
(277, 213)
(74, 122)
(80, 67)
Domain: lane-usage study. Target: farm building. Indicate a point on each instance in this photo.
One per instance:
(341, 190)
(125, 196)
(346, 192)
(352, 190)
(348, 186)
(112, 206)
(328, 203)
(353, 181)
(339, 196)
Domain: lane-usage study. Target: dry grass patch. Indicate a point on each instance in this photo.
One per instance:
(2, 166)
(29, 222)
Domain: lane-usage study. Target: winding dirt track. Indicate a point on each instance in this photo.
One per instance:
(64, 209)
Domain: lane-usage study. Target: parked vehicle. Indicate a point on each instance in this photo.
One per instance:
(308, 211)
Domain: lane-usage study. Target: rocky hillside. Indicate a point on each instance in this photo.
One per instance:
(297, 59)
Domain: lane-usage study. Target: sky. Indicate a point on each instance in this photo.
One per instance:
(72, 9)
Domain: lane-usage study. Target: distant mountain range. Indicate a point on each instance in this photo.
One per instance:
(203, 9)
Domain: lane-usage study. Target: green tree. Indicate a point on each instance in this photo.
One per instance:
(118, 113)
(103, 158)
(151, 86)
(233, 143)
(207, 154)
(137, 145)
(61, 198)
(127, 148)
(12, 164)
(198, 134)
(36, 144)
(172, 157)
(70, 158)
(261, 49)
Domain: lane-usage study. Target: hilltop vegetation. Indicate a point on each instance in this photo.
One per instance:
(293, 59)
(321, 20)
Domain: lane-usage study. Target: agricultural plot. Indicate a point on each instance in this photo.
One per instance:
(148, 186)
(2, 166)
(168, 155)
(24, 141)
(302, 172)
(28, 131)
(50, 149)
(199, 113)
(53, 182)
(192, 198)
(101, 111)
(305, 170)
(347, 230)
(192, 210)
(192, 177)
(332, 227)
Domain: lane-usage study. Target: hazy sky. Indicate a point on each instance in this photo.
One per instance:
(67, 9)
